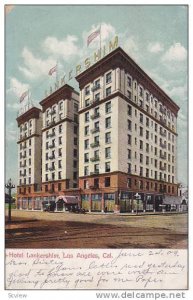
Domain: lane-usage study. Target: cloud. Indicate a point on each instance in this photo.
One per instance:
(155, 47)
(34, 67)
(130, 46)
(17, 87)
(175, 53)
(65, 48)
(11, 132)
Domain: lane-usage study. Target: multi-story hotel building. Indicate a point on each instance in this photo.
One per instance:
(114, 145)
(29, 155)
(128, 137)
(60, 140)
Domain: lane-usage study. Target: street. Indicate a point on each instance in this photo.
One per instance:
(36, 229)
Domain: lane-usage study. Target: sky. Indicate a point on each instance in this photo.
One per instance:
(38, 37)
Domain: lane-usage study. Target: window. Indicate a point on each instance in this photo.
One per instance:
(86, 117)
(86, 186)
(155, 151)
(129, 110)
(75, 118)
(87, 102)
(156, 139)
(86, 171)
(129, 124)
(129, 153)
(75, 107)
(129, 81)
(60, 116)
(108, 107)
(75, 129)
(75, 141)
(141, 171)
(96, 168)
(108, 122)
(147, 173)
(108, 152)
(147, 160)
(59, 185)
(108, 91)
(140, 91)
(96, 183)
(29, 151)
(141, 158)
(141, 118)
(141, 145)
(60, 140)
(141, 131)
(108, 77)
(59, 164)
(29, 161)
(74, 175)
(147, 122)
(46, 177)
(107, 181)
(86, 144)
(147, 97)
(86, 130)
(60, 175)
(29, 142)
(75, 152)
(147, 134)
(129, 95)
(60, 152)
(107, 137)
(129, 168)
(86, 157)
(87, 90)
(97, 84)
(60, 128)
(75, 164)
(107, 167)
(129, 139)
(97, 97)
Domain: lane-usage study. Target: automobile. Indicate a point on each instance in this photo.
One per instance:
(49, 207)
(77, 210)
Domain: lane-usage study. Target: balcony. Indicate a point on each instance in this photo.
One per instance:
(95, 130)
(163, 145)
(51, 134)
(95, 87)
(93, 187)
(95, 158)
(51, 157)
(163, 121)
(95, 144)
(96, 172)
(52, 112)
(162, 168)
(22, 174)
(23, 165)
(51, 146)
(51, 168)
(163, 133)
(162, 156)
(95, 116)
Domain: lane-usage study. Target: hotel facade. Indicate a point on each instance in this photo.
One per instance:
(127, 139)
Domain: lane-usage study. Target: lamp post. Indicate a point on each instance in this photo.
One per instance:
(9, 186)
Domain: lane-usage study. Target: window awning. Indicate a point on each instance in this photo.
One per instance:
(68, 199)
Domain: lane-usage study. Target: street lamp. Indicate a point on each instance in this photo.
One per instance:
(9, 186)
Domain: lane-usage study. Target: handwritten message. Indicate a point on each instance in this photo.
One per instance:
(96, 269)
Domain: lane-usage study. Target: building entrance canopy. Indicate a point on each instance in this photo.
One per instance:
(67, 199)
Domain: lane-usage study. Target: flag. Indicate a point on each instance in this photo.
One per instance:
(92, 36)
(52, 70)
(22, 97)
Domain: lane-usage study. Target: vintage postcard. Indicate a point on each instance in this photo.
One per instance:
(96, 106)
